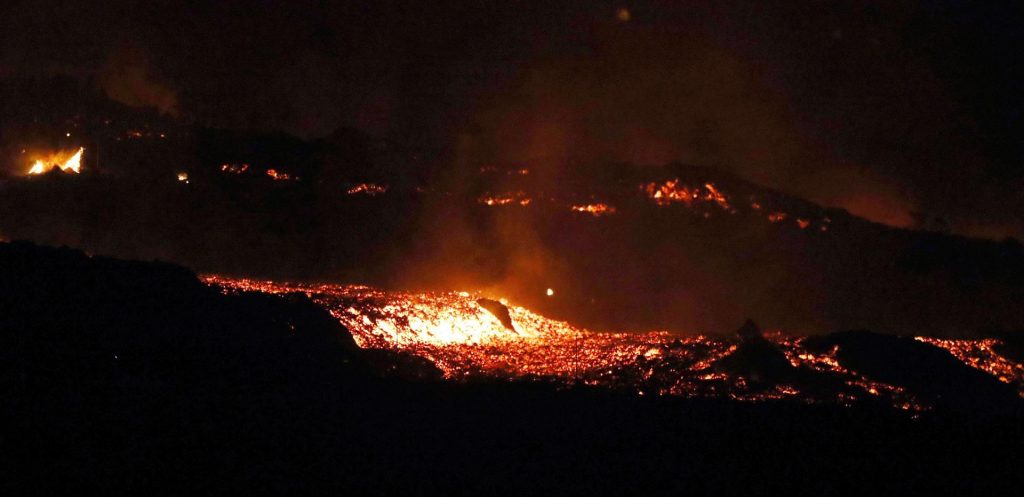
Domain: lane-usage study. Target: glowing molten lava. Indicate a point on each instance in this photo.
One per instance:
(980, 354)
(464, 339)
(674, 191)
(64, 160)
(505, 199)
(371, 189)
(234, 168)
(278, 175)
(596, 210)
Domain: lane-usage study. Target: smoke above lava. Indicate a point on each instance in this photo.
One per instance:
(894, 112)
(656, 99)
(127, 77)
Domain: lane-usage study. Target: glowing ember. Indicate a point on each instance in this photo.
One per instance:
(510, 172)
(980, 354)
(278, 176)
(803, 223)
(777, 217)
(506, 199)
(596, 210)
(183, 177)
(673, 191)
(62, 160)
(234, 168)
(371, 189)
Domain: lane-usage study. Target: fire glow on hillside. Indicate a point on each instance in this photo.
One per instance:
(702, 198)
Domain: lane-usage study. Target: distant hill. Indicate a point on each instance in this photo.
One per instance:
(678, 247)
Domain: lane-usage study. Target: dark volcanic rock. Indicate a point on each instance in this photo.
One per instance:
(922, 369)
(94, 320)
(499, 311)
(750, 331)
(401, 365)
(756, 358)
(1012, 346)
(134, 378)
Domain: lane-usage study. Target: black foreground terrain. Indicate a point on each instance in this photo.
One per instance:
(130, 377)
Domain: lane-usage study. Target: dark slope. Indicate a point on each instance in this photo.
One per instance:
(693, 269)
(127, 377)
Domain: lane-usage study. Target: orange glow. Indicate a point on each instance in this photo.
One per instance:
(66, 161)
(777, 217)
(465, 340)
(803, 223)
(595, 210)
(881, 206)
(673, 191)
(278, 176)
(505, 199)
(234, 168)
(980, 354)
(371, 189)
(183, 177)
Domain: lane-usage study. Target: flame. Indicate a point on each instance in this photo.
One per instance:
(66, 163)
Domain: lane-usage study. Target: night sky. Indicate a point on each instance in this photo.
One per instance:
(904, 112)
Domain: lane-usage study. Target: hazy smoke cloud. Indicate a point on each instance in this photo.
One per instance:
(655, 99)
(127, 78)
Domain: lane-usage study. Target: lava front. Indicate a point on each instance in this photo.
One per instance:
(466, 340)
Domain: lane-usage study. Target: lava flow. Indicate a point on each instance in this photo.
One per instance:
(461, 333)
